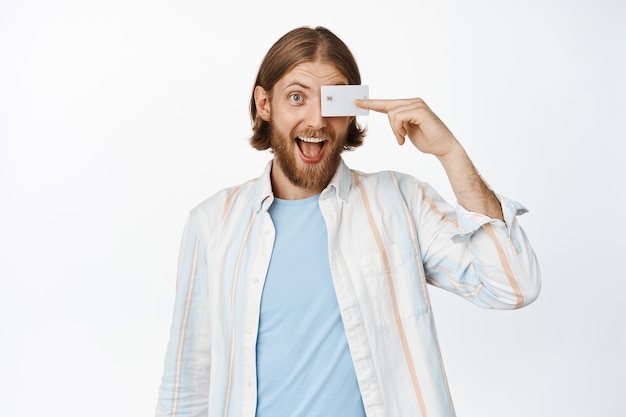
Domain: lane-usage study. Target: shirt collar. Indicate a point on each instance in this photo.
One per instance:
(339, 186)
(263, 196)
(340, 183)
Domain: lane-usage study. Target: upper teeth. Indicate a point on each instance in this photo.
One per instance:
(313, 140)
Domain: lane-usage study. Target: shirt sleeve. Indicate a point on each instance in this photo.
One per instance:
(185, 384)
(488, 261)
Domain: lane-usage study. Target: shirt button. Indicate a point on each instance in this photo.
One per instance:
(255, 280)
(248, 383)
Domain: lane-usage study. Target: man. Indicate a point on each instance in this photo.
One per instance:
(303, 292)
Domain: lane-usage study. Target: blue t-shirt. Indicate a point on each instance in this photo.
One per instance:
(304, 366)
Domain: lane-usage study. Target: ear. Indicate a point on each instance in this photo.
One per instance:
(262, 101)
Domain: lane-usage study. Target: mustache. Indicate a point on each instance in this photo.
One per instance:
(310, 133)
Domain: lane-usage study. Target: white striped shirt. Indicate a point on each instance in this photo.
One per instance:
(389, 235)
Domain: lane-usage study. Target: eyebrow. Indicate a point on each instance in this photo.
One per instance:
(306, 87)
(297, 84)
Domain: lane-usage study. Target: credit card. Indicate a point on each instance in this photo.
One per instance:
(338, 100)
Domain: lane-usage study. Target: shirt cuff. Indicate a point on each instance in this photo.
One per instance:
(469, 222)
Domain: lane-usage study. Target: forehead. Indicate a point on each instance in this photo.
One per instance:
(313, 74)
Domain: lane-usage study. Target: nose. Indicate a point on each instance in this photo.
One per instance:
(314, 119)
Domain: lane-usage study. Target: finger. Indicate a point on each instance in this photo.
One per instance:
(382, 105)
(410, 114)
(398, 128)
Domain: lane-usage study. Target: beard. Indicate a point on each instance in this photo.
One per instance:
(302, 175)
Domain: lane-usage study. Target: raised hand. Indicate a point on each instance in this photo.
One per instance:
(413, 118)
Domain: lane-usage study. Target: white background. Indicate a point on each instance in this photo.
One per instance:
(117, 117)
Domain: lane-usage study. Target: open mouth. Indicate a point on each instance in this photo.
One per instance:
(311, 148)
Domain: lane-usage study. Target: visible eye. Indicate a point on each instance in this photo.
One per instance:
(296, 98)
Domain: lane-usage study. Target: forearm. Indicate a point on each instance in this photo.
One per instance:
(469, 188)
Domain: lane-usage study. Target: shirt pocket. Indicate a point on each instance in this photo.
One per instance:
(395, 285)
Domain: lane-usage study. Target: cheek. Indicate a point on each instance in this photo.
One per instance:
(285, 120)
(281, 124)
(340, 124)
